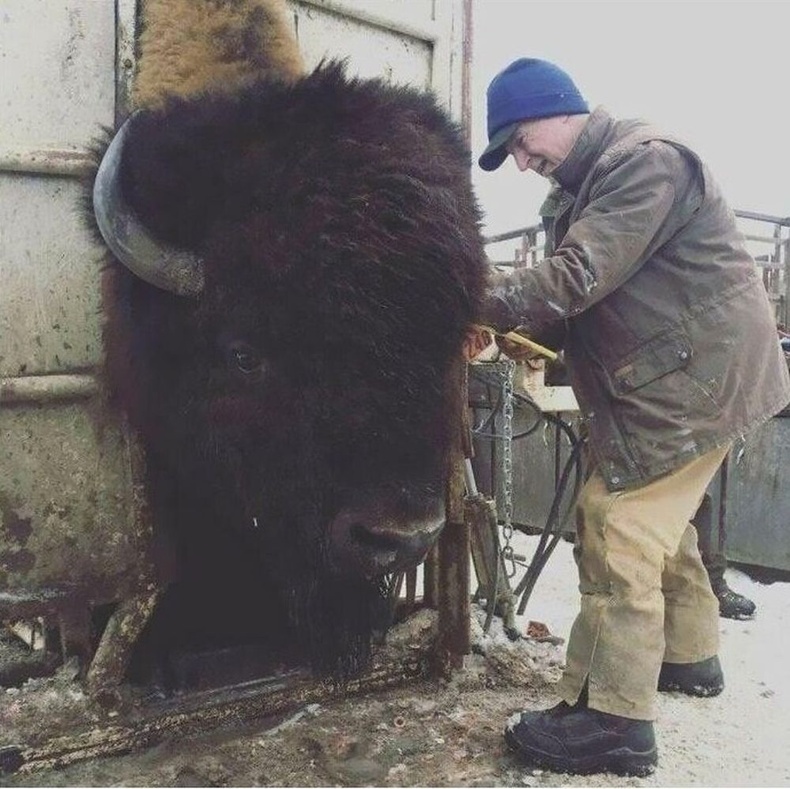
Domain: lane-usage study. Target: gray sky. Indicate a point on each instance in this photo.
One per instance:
(716, 74)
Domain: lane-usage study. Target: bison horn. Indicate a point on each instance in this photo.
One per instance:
(164, 266)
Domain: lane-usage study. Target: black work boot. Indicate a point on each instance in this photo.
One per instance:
(731, 604)
(704, 678)
(580, 740)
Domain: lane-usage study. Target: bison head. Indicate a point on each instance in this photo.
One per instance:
(306, 259)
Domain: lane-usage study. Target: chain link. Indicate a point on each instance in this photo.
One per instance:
(501, 374)
(507, 371)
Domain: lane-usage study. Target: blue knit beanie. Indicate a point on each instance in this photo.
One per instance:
(527, 89)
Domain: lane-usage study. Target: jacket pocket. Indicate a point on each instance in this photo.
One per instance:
(662, 355)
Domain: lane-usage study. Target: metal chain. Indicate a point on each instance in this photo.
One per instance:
(507, 371)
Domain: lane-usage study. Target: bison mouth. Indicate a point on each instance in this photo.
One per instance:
(383, 530)
(343, 601)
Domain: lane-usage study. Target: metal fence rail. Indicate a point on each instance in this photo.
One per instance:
(767, 238)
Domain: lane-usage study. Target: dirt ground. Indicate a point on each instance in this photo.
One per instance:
(437, 733)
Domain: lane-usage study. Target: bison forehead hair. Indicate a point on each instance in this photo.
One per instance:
(323, 189)
(306, 388)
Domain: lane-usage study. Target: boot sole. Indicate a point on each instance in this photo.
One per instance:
(700, 691)
(621, 761)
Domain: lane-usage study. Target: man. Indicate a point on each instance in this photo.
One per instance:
(672, 352)
(732, 605)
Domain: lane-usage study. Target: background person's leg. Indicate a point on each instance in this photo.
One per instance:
(731, 604)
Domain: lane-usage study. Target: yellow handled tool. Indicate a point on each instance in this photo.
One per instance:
(520, 339)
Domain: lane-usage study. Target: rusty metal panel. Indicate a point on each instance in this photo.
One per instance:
(73, 529)
(67, 509)
(49, 269)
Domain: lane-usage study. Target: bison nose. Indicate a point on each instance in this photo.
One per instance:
(371, 540)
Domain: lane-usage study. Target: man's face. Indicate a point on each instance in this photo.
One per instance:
(540, 145)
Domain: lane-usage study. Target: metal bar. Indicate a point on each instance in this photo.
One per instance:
(777, 239)
(430, 579)
(47, 388)
(199, 713)
(52, 161)
(411, 589)
(455, 549)
(786, 316)
(557, 456)
(511, 234)
(125, 59)
(765, 239)
(521, 258)
(533, 244)
(454, 601)
(776, 220)
(466, 75)
(112, 655)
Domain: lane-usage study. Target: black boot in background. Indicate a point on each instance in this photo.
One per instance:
(731, 604)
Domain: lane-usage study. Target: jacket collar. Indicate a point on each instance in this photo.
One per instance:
(589, 145)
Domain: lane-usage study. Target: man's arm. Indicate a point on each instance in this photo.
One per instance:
(629, 216)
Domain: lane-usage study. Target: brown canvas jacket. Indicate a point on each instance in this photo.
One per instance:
(670, 339)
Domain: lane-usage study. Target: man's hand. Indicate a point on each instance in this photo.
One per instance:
(513, 344)
(478, 338)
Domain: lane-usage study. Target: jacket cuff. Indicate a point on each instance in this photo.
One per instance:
(497, 313)
(497, 310)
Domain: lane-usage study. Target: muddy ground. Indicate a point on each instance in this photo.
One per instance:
(449, 733)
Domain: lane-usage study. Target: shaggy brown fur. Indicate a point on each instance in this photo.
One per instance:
(191, 46)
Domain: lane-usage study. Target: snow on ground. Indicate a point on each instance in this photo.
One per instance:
(740, 738)
(436, 732)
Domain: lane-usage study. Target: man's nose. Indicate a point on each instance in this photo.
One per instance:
(521, 159)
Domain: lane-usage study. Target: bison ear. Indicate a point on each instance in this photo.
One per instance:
(170, 268)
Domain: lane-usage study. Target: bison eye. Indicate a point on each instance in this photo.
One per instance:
(245, 358)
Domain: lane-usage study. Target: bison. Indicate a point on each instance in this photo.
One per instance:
(301, 258)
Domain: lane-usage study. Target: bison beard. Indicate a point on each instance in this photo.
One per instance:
(297, 413)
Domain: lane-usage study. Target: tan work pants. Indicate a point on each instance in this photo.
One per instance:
(645, 593)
